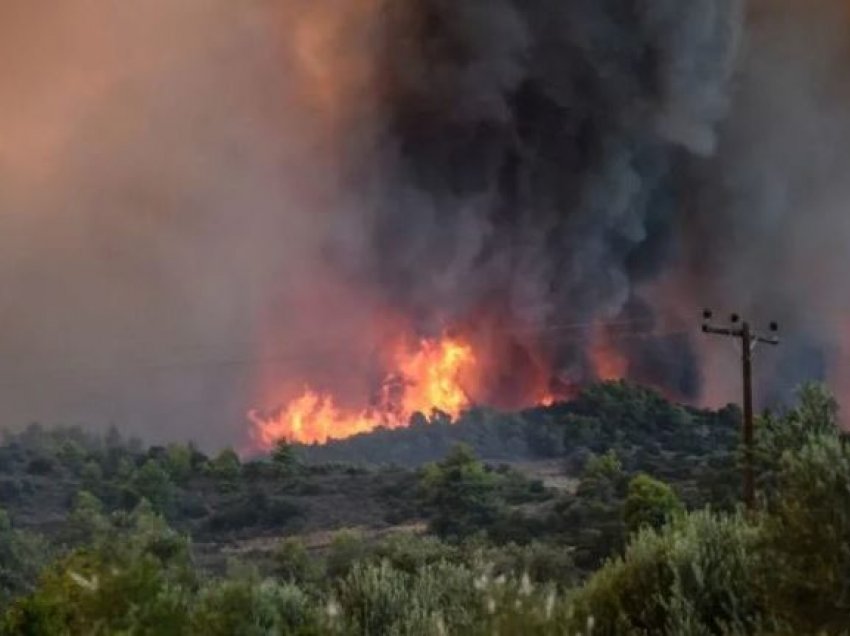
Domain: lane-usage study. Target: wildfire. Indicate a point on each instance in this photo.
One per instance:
(426, 377)
(607, 361)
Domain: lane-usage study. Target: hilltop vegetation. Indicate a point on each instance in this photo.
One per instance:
(638, 422)
(103, 536)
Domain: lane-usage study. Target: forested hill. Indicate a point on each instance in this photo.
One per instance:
(636, 421)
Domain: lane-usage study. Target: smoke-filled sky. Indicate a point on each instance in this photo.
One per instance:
(206, 203)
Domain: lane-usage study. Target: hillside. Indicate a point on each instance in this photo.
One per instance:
(368, 481)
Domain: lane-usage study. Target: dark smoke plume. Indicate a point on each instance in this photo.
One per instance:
(532, 153)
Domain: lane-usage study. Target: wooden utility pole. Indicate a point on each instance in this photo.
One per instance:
(749, 339)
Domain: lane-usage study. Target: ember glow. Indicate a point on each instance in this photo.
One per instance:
(430, 376)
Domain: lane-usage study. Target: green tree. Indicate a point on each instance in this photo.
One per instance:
(285, 458)
(136, 580)
(462, 494)
(178, 462)
(226, 468)
(86, 523)
(92, 475)
(22, 555)
(153, 483)
(72, 455)
(807, 542)
(649, 503)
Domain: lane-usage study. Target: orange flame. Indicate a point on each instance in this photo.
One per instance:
(426, 378)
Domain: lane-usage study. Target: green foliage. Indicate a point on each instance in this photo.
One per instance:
(226, 468)
(134, 580)
(512, 559)
(700, 570)
(461, 492)
(410, 553)
(178, 462)
(346, 549)
(285, 458)
(86, 522)
(649, 504)
(153, 483)
(603, 468)
(91, 474)
(807, 538)
(292, 562)
(253, 608)
(592, 520)
(22, 555)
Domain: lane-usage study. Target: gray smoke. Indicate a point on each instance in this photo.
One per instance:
(767, 223)
(206, 204)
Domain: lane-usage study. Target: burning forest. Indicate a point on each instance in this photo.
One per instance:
(310, 219)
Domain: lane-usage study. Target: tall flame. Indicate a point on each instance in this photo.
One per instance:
(427, 377)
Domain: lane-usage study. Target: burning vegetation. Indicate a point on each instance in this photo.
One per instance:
(430, 376)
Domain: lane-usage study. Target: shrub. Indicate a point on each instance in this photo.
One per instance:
(700, 569)
(292, 562)
(347, 548)
(251, 608)
(649, 504)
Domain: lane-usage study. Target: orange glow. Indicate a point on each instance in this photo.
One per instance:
(328, 41)
(429, 376)
(608, 363)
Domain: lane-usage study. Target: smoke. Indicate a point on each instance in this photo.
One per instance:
(158, 171)
(767, 223)
(207, 204)
(533, 151)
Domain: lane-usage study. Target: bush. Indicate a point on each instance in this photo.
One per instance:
(701, 571)
(461, 493)
(252, 608)
(649, 504)
(807, 542)
(347, 548)
(292, 562)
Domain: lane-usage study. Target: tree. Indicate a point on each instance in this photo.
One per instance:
(154, 484)
(22, 556)
(807, 537)
(136, 580)
(461, 492)
(226, 467)
(86, 522)
(92, 475)
(649, 503)
(285, 458)
(178, 462)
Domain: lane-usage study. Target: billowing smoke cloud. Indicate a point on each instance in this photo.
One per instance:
(533, 151)
(206, 204)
